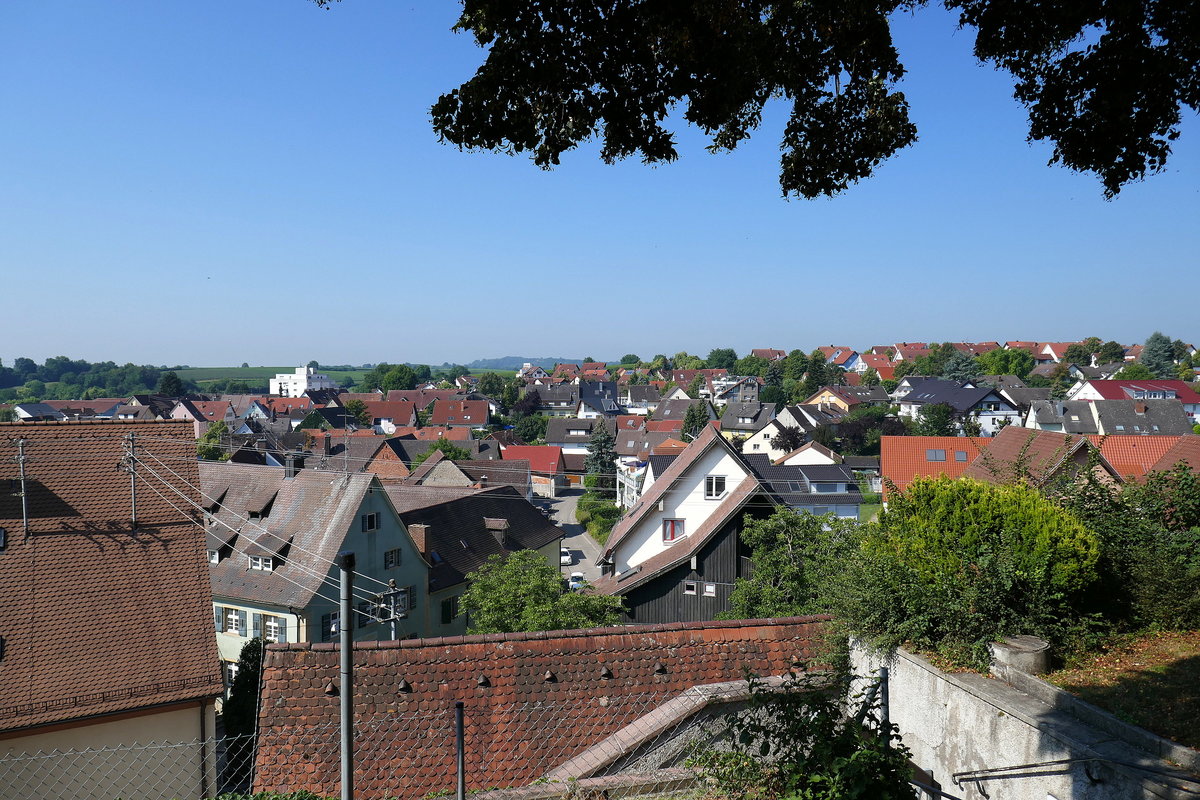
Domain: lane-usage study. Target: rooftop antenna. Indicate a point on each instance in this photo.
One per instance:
(20, 459)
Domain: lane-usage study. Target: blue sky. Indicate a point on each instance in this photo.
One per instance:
(201, 183)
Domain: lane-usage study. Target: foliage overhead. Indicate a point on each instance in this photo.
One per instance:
(522, 592)
(1104, 82)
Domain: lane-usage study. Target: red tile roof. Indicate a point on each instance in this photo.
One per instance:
(902, 459)
(434, 433)
(1134, 456)
(881, 364)
(399, 411)
(632, 422)
(532, 700)
(837, 355)
(1033, 455)
(770, 354)
(84, 565)
(543, 459)
(664, 425)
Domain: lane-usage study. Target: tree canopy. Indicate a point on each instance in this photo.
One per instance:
(522, 592)
(1158, 355)
(449, 449)
(1105, 83)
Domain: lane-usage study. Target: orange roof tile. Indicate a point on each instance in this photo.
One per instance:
(902, 459)
(1134, 456)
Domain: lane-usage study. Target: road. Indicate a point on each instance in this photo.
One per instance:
(583, 548)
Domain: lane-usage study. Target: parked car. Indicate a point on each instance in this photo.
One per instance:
(576, 581)
(565, 558)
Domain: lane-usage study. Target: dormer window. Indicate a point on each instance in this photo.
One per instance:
(261, 563)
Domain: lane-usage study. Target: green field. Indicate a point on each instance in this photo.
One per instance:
(261, 375)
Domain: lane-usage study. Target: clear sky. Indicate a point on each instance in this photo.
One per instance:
(212, 183)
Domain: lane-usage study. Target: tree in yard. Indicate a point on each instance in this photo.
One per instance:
(1078, 354)
(558, 75)
(697, 383)
(1110, 353)
(1180, 349)
(795, 365)
(589, 360)
(684, 360)
(169, 384)
(528, 404)
(531, 428)
(1158, 356)
(816, 376)
(601, 459)
(239, 713)
(788, 438)
(960, 367)
(512, 392)
(522, 592)
(491, 385)
(209, 446)
(1135, 371)
(722, 358)
(751, 365)
(358, 410)
(245, 365)
(630, 358)
(870, 378)
(313, 364)
(449, 450)
(695, 419)
(936, 419)
(795, 555)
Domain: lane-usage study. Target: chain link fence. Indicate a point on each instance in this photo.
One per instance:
(640, 746)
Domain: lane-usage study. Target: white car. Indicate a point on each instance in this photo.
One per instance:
(576, 581)
(565, 558)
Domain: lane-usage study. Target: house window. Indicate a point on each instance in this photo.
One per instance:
(689, 587)
(262, 563)
(274, 628)
(235, 621)
(370, 522)
(960, 455)
(449, 610)
(391, 558)
(366, 614)
(672, 530)
(820, 511)
(825, 487)
(935, 455)
(1120, 427)
(330, 626)
(755, 447)
(745, 420)
(214, 556)
(714, 487)
(710, 590)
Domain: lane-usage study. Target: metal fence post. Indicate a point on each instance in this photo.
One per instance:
(346, 695)
(459, 751)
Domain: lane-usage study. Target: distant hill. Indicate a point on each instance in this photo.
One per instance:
(515, 362)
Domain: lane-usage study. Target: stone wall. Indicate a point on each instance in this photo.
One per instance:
(964, 722)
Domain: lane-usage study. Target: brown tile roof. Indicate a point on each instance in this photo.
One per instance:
(1185, 451)
(431, 434)
(83, 565)
(469, 413)
(1036, 455)
(543, 459)
(532, 700)
(905, 458)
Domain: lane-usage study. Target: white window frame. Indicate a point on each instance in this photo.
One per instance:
(689, 587)
(261, 563)
(710, 487)
(233, 621)
(710, 590)
(214, 556)
(676, 529)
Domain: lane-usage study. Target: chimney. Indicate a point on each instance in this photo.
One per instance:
(289, 465)
(420, 536)
(483, 481)
(327, 443)
(1140, 408)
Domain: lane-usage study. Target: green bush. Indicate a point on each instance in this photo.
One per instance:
(582, 515)
(954, 565)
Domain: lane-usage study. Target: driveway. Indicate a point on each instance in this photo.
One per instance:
(583, 548)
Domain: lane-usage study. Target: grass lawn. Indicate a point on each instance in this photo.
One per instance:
(1151, 680)
(261, 375)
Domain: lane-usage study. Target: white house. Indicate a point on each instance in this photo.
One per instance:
(302, 380)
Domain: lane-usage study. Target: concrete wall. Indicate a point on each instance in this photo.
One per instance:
(960, 722)
(79, 772)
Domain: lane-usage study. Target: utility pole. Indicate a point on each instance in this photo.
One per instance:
(345, 561)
